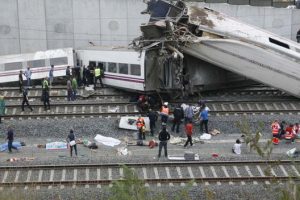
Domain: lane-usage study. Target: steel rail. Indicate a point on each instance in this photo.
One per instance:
(157, 164)
(152, 180)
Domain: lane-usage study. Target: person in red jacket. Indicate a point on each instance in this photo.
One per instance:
(189, 133)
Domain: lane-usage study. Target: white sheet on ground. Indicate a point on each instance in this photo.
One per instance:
(181, 157)
(205, 136)
(125, 125)
(108, 141)
(56, 145)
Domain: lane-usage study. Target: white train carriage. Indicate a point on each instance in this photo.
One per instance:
(123, 67)
(39, 63)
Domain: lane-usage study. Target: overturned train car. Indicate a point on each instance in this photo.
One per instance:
(192, 47)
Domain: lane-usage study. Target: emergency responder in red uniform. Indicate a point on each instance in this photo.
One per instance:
(140, 125)
(275, 129)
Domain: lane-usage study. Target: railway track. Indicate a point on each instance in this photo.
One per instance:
(161, 173)
(109, 109)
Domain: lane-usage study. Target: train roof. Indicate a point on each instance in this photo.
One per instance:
(107, 48)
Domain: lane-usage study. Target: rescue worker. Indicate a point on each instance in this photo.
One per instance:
(142, 103)
(2, 107)
(10, 139)
(21, 81)
(189, 132)
(290, 133)
(178, 116)
(282, 129)
(69, 90)
(275, 129)
(204, 119)
(140, 125)
(163, 137)
(152, 118)
(164, 113)
(68, 73)
(97, 77)
(71, 139)
(25, 100)
(188, 114)
(27, 74)
(45, 93)
(51, 75)
(74, 88)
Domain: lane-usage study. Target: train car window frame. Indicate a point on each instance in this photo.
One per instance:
(36, 63)
(137, 71)
(59, 61)
(102, 66)
(112, 67)
(123, 68)
(12, 66)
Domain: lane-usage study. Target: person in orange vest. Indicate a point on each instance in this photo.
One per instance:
(164, 113)
(275, 129)
(140, 125)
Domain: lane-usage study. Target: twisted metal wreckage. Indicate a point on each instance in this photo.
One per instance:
(200, 48)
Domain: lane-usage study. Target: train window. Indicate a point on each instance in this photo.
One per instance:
(112, 67)
(12, 66)
(101, 65)
(135, 70)
(92, 65)
(123, 68)
(36, 63)
(59, 61)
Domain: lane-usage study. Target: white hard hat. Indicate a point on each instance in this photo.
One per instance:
(166, 103)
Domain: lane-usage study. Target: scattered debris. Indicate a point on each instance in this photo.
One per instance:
(113, 110)
(89, 144)
(151, 144)
(4, 147)
(205, 136)
(182, 157)
(215, 155)
(214, 132)
(130, 123)
(293, 153)
(122, 151)
(20, 159)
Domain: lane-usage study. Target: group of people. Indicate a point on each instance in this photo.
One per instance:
(282, 130)
(180, 114)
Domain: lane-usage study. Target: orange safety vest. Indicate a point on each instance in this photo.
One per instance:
(275, 128)
(140, 122)
(165, 110)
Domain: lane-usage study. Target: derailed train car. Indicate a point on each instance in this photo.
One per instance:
(184, 32)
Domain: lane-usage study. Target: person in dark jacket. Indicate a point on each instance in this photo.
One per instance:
(25, 100)
(178, 116)
(282, 129)
(298, 33)
(45, 93)
(70, 138)
(152, 118)
(163, 137)
(21, 80)
(10, 139)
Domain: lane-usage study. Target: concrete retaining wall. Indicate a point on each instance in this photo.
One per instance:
(33, 25)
